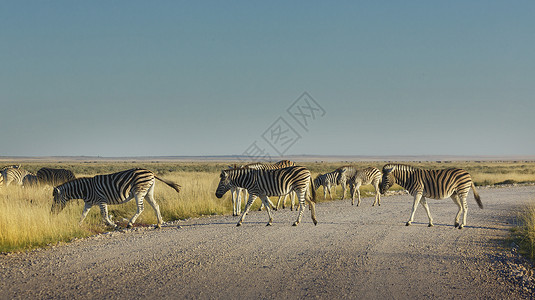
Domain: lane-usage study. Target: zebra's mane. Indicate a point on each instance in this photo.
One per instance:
(73, 180)
(251, 165)
(399, 167)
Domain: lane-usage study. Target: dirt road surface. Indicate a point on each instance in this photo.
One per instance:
(354, 252)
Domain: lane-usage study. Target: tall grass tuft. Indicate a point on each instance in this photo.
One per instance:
(26, 221)
(526, 231)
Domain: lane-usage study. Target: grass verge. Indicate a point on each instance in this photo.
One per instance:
(524, 233)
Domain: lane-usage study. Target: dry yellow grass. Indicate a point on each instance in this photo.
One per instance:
(26, 222)
(525, 232)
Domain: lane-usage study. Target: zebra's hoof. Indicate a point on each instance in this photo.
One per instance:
(157, 226)
(456, 224)
(315, 222)
(430, 225)
(408, 224)
(128, 226)
(238, 225)
(268, 224)
(295, 224)
(461, 227)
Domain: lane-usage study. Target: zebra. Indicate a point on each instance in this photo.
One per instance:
(54, 177)
(355, 178)
(327, 180)
(436, 184)
(14, 174)
(115, 188)
(30, 180)
(278, 165)
(265, 183)
(3, 173)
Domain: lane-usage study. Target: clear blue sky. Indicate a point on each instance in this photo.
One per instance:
(144, 78)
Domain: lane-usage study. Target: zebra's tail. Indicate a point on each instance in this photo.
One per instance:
(476, 195)
(175, 186)
(313, 190)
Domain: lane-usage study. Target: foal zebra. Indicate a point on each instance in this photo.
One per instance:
(327, 180)
(54, 177)
(265, 183)
(116, 188)
(436, 184)
(355, 178)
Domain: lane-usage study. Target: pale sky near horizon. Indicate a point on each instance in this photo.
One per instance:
(158, 78)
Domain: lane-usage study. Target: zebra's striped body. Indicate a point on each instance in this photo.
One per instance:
(265, 183)
(278, 165)
(327, 180)
(14, 175)
(436, 184)
(111, 189)
(350, 175)
(54, 177)
(3, 173)
(30, 180)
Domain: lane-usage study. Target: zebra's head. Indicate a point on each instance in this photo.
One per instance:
(341, 175)
(60, 200)
(224, 184)
(317, 181)
(388, 180)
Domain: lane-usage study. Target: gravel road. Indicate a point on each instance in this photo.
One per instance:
(354, 252)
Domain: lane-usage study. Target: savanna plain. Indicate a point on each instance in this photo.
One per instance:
(201, 223)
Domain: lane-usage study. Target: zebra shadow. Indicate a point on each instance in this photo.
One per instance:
(465, 227)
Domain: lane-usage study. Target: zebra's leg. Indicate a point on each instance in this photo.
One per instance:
(417, 198)
(150, 198)
(233, 196)
(424, 204)
(358, 192)
(330, 192)
(457, 201)
(312, 206)
(279, 202)
(140, 208)
(344, 188)
(325, 192)
(465, 210)
(293, 195)
(246, 210)
(265, 200)
(352, 191)
(105, 216)
(245, 196)
(301, 197)
(87, 207)
(270, 204)
(238, 201)
(377, 194)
